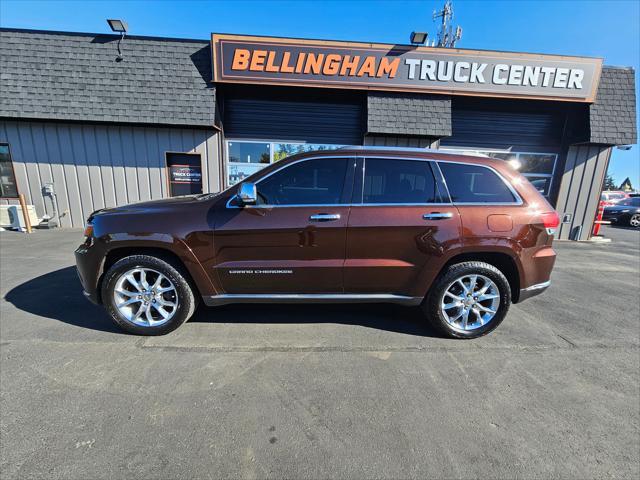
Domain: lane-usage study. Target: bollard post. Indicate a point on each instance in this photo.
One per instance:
(25, 213)
(598, 222)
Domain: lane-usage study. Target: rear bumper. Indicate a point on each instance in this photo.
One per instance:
(533, 290)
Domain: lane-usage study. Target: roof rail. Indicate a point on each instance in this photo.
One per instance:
(469, 153)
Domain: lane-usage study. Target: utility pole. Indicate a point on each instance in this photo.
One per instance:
(447, 38)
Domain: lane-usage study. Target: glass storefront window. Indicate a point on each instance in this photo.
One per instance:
(542, 184)
(247, 157)
(8, 186)
(249, 152)
(284, 150)
(537, 167)
(537, 163)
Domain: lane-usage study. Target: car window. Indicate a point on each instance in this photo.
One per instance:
(474, 183)
(310, 182)
(633, 202)
(398, 181)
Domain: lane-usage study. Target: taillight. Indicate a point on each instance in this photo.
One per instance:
(551, 221)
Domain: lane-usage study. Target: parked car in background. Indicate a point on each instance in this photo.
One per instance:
(625, 212)
(611, 197)
(462, 237)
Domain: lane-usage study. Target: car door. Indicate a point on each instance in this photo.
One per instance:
(293, 240)
(400, 226)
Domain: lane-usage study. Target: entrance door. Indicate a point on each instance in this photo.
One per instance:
(399, 225)
(293, 240)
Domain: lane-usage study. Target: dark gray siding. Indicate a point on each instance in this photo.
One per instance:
(401, 141)
(613, 114)
(581, 184)
(408, 114)
(97, 166)
(75, 77)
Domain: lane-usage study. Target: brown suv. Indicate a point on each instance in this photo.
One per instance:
(462, 237)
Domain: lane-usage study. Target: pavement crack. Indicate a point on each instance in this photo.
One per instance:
(567, 340)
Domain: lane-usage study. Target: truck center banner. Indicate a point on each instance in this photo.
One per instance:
(316, 63)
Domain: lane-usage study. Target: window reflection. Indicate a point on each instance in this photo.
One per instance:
(248, 157)
(536, 167)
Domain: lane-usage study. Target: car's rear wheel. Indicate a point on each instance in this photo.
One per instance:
(146, 295)
(468, 300)
(634, 221)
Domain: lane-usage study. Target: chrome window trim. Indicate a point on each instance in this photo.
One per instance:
(345, 157)
(272, 143)
(447, 204)
(427, 204)
(468, 151)
(514, 192)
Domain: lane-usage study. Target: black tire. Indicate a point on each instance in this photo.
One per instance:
(431, 305)
(635, 218)
(186, 301)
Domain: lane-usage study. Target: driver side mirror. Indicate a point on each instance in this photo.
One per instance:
(247, 193)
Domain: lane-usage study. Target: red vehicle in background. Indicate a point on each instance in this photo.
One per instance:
(612, 197)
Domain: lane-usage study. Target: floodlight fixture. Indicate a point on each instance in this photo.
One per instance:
(418, 38)
(118, 26)
(121, 27)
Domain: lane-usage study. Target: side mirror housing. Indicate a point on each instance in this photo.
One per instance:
(247, 193)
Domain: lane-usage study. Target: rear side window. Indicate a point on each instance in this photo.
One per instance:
(474, 184)
(398, 182)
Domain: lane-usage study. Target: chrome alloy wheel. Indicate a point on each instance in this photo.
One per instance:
(470, 302)
(635, 220)
(145, 297)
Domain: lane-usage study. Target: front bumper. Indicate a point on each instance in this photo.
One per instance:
(88, 267)
(533, 290)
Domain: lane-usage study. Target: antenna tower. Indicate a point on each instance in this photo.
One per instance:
(447, 37)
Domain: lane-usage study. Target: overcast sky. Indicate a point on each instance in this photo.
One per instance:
(608, 29)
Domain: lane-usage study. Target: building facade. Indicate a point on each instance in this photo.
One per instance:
(81, 130)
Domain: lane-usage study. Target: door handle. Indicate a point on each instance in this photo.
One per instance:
(324, 217)
(437, 215)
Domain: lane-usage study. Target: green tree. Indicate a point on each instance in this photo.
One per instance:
(609, 183)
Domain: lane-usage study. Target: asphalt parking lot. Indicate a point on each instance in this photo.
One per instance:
(320, 392)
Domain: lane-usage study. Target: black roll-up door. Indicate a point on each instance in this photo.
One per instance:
(504, 130)
(506, 124)
(320, 119)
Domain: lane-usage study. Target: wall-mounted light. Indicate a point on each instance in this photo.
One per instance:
(418, 38)
(121, 27)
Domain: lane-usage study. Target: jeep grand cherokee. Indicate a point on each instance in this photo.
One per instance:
(461, 237)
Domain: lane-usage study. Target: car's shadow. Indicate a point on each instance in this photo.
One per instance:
(624, 227)
(58, 295)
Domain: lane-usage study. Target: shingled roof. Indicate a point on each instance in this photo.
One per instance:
(68, 76)
(408, 114)
(612, 118)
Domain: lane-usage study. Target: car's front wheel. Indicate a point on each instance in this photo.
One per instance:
(634, 221)
(147, 295)
(468, 300)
